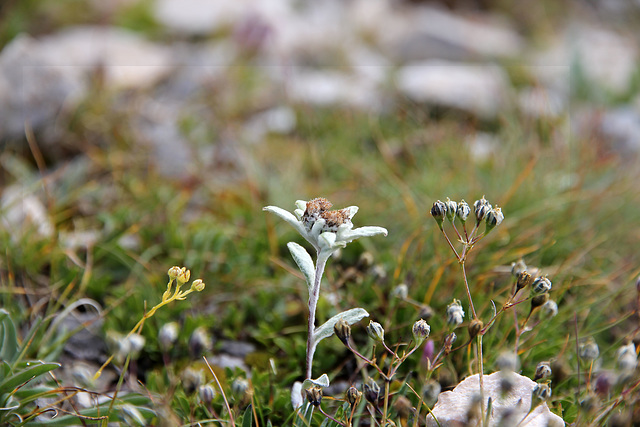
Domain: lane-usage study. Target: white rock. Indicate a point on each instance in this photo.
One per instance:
(452, 406)
(39, 78)
(198, 16)
(424, 32)
(606, 58)
(476, 88)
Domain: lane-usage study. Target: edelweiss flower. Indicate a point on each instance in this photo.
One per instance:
(326, 230)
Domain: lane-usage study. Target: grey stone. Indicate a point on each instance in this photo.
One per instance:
(476, 88)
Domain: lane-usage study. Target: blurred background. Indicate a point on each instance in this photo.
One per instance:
(140, 134)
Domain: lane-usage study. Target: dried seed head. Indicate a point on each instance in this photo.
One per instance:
(540, 394)
(480, 208)
(206, 393)
(541, 285)
(452, 207)
(463, 211)
(420, 331)
(438, 212)
(430, 391)
(371, 391)
(543, 371)
(343, 331)
(314, 395)
(474, 412)
(191, 379)
(199, 342)
(240, 387)
(475, 326)
(353, 396)
(517, 268)
(524, 280)
(375, 331)
(588, 350)
(426, 312)
(549, 309)
(539, 300)
(507, 361)
(403, 407)
(167, 336)
(507, 382)
(448, 342)
(493, 218)
(627, 358)
(455, 313)
(401, 291)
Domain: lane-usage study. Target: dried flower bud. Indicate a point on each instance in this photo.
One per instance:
(426, 312)
(371, 391)
(135, 344)
(314, 395)
(430, 391)
(474, 412)
(448, 342)
(493, 218)
(452, 207)
(191, 379)
(401, 291)
(206, 393)
(518, 267)
(198, 285)
(463, 211)
(507, 381)
(541, 285)
(481, 208)
(540, 394)
(174, 272)
(524, 279)
(539, 300)
(240, 387)
(455, 313)
(375, 331)
(507, 361)
(627, 358)
(438, 212)
(167, 336)
(549, 309)
(343, 331)
(475, 326)
(543, 371)
(588, 350)
(199, 342)
(403, 407)
(420, 331)
(353, 396)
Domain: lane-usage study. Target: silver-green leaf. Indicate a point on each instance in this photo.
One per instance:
(322, 381)
(326, 330)
(304, 262)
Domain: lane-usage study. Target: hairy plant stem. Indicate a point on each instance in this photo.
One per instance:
(386, 403)
(314, 294)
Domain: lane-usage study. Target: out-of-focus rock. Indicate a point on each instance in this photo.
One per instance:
(621, 129)
(475, 88)
(330, 87)
(541, 102)
(22, 212)
(40, 78)
(281, 120)
(604, 57)
(452, 406)
(482, 146)
(416, 33)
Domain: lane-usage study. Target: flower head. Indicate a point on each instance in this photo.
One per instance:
(455, 313)
(325, 229)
